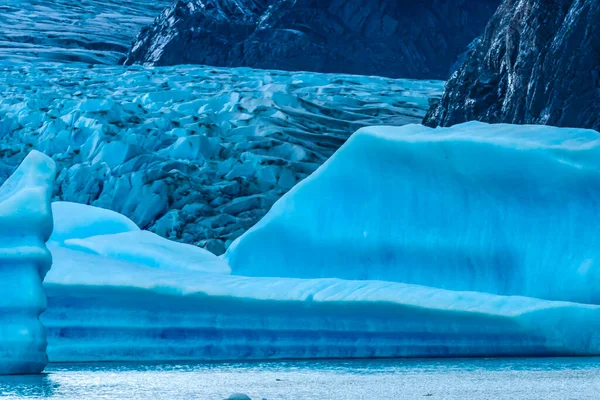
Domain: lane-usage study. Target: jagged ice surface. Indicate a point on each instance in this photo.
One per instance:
(72, 31)
(207, 150)
(25, 226)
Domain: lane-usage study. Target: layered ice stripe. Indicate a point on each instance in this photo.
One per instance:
(502, 209)
(135, 312)
(25, 226)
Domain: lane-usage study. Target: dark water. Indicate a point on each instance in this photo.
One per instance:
(548, 379)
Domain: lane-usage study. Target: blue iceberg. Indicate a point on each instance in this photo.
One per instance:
(475, 240)
(25, 226)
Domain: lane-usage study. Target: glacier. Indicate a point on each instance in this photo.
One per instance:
(71, 31)
(208, 149)
(25, 225)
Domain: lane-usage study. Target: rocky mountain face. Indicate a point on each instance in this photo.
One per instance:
(194, 154)
(395, 38)
(537, 63)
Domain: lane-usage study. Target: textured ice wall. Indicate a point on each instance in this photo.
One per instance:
(69, 31)
(208, 150)
(503, 209)
(25, 226)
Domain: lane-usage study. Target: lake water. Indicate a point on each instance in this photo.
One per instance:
(548, 379)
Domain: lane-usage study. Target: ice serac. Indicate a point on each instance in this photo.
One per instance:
(25, 226)
(408, 39)
(191, 153)
(538, 62)
(500, 209)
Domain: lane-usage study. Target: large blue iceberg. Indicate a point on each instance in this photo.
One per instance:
(501, 209)
(476, 240)
(25, 226)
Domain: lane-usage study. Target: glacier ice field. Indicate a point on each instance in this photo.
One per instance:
(208, 149)
(476, 240)
(72, 31)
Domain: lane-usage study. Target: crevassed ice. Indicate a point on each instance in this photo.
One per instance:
(194, 154)
(25, 226)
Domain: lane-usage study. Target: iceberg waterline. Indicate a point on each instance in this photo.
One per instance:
(222, 317)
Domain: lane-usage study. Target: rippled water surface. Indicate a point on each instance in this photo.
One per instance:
(549, 379)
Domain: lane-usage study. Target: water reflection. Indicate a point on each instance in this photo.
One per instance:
(448, 379)
(40, 385)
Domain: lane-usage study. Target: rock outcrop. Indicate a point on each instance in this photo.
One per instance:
(537, 63)
(408, 39)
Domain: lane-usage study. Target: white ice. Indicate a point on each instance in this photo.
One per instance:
(25, 226)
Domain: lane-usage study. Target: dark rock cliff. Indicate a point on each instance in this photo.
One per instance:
(537, 63)
(395, 38)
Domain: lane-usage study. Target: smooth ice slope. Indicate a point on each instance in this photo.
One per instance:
(25, 226)
(79, 221)
(509, 210)
(106, 233)
(147, 248)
